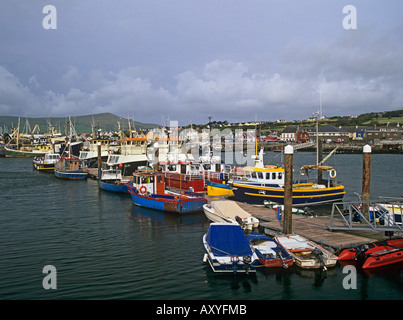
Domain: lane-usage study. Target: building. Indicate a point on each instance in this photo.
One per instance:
(329, 133)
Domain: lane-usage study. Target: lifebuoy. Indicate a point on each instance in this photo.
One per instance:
(332, 174)
(143, 189)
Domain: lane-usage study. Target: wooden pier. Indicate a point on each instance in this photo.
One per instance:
(314, 228)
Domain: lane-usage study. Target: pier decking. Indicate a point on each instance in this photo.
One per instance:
(313, 228)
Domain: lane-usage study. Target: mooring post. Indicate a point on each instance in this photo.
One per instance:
(366, 179)
(287, 220)
(319, 159)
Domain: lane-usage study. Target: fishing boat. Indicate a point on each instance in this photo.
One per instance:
(230, 212)
(266, 182)
(70, 168)
(270, 253)
(27, 151)
(307, 254)
(132, 155)
(182, 175)
(112, 180)
(219, 189)
(228, 250)
(376, 254)
(148, 190)
(46, 163)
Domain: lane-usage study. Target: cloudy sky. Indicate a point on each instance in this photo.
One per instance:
(186, 60)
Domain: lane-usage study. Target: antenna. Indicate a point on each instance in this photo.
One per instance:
(320, 105)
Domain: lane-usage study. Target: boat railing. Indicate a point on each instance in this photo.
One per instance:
(385, 215)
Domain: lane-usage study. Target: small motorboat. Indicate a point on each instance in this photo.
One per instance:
(228, 250)
(46, 163)
(307, 254)
(112, 180)
(269, 251)
(376, 254)
(230, 212)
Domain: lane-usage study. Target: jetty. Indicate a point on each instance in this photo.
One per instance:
(315, 228)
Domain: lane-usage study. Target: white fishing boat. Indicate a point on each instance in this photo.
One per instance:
(230, 212)
(46, 162)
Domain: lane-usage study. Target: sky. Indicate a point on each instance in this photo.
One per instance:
(187, 60)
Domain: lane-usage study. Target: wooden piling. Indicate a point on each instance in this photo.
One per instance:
(366, 179)
(319, 158)
(287, 216)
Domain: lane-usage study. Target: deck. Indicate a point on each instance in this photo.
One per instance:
(313, 228)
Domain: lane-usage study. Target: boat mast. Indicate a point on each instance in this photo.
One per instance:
(70, 137)
(18, 133)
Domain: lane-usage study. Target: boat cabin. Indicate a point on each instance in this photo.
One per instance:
(149, 182)
(133, 146)
(108, 175)
(269, 175)
(69, 164)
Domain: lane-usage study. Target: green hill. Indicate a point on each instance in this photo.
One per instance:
(82, 124)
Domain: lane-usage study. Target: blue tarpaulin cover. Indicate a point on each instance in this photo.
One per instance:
(227, 239)
(254, 236)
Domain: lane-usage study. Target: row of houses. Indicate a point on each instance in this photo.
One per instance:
(333, 134)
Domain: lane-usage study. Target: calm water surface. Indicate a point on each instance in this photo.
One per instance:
(104, 247)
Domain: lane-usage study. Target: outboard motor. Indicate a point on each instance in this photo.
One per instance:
(247, 261)
(240, 222)
(279, 256)
(319, 254)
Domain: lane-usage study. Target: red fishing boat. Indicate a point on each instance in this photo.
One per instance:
(376, 254)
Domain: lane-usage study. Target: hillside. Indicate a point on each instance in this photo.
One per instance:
(82, 124)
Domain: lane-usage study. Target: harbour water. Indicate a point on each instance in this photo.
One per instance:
(103, 247)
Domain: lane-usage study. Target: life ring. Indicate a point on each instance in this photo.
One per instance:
(302, 171)
(143, 189)
(332, 173)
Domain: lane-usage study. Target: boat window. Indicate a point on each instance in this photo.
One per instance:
(273, 175)
(159, 179)
(254, 175)
(260, 175)
(267, 175)
(280, 175)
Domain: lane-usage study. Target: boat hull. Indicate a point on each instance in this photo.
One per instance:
(167, 203)
(44, 167)
(383, 259)
(14, 153)
(112, 187)
(255, 194)
(218, 189)
(273, 263)
(73, 175)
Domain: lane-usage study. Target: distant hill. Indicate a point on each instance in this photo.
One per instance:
(82, 124)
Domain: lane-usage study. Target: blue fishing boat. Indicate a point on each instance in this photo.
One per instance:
(111, 180)
(70, 168)
(228, 250)
(148, 190)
